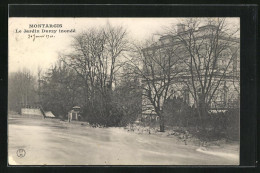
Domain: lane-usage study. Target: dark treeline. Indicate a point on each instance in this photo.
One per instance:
(22, 89)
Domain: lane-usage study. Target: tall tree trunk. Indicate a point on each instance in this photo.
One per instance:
(203, 114)
(161, 122)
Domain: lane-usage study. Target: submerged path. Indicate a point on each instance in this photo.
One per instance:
(53, 142)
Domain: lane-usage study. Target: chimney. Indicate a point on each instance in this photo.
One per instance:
(180, 27)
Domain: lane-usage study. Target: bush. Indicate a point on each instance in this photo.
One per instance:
(215, 126)
(178, 113)
(116, 109)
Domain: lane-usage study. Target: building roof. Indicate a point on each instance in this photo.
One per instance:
(170, 39)
(76, 107)
(49, 114)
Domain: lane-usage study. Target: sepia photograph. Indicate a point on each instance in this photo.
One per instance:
(123, 91)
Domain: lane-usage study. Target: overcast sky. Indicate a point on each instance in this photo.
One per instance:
(26, 53)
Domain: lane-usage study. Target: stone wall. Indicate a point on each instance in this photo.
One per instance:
(31, 111)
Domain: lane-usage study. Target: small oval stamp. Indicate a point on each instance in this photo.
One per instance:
(20, 153)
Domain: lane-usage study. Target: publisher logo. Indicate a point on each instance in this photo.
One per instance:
(20, 153)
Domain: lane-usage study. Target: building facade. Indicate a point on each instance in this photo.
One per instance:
(200, 64)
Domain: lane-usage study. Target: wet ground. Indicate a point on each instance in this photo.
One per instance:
(55, 142)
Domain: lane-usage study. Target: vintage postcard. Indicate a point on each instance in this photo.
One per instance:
(123, 91)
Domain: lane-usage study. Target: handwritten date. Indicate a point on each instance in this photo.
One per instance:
(33, 36)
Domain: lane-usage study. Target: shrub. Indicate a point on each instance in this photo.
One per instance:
(215, 125)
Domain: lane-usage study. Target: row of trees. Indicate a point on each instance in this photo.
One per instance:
(108, 76)
(22, 89)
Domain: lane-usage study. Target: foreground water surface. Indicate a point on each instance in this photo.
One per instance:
(54, 142)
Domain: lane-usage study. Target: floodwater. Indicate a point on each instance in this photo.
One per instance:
(54, 142)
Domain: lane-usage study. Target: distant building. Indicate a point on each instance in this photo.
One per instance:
(74, 114)
(32, 111)
(227, 93)
(49, 114)
(36, 112)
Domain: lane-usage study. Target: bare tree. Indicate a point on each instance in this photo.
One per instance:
(39, 76)
(95, 59)
(96, 53)
(211, 49)
(116, 44)
(83, 59)
(157, 66)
